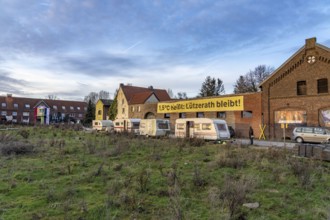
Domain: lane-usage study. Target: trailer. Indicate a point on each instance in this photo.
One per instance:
(103, 125)
(154, 127)
(130, 125)
(204, 128)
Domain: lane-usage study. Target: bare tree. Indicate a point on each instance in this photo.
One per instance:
(250, 81)
(92, 96)
(181, 95)
(104, 95)
(51, 96)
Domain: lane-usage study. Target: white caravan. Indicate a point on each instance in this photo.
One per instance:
(154, 127)
(205, 128)
(127, 125)
(103, 125)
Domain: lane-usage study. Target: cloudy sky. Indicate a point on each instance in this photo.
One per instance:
(69, 48)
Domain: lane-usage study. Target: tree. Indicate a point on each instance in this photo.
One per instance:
(181, 95)
(92, 96)
(51, 96)
(90, 114)
(250, 81)
(104, 95)
(113, 107)
(170, 93)
(212, 87)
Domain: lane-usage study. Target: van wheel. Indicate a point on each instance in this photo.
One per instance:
(299, 140)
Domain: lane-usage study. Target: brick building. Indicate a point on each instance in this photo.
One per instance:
(42, 111)
(240, 117)
(297, 93)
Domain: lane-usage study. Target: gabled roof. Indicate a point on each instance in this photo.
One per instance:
(41, 102)
(138, 95)
(106, 102)
(308, 41)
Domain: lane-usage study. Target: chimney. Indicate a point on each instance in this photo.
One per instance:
(151, 87)
(121, 84)
(310, 43)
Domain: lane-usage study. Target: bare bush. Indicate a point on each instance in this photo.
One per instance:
(24, 133)
(5, 137)
(231, 159)
(17, 147)
(196, 142)
(143, 180)
(198, 179)
(234, 193)
(303, 171)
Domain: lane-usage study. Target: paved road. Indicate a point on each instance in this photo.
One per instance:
(265, 143)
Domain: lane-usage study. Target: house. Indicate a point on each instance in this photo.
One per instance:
(102, 109)
(297, 93)
(40, 111)
(139, 102)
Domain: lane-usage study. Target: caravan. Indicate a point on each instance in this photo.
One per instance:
(154, 127)
(103, 125)
(205, 128)
(127, 125)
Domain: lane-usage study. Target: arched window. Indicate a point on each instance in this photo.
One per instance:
(301, 88)
(322, 85)
(99, 112)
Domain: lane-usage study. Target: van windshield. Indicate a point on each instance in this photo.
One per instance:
(221, 127)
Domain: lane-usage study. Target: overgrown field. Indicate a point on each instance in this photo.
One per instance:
(65, 173)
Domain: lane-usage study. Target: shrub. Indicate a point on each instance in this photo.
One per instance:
(24, 133)
(16, 148)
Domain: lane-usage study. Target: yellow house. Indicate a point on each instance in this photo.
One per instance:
(102, 109)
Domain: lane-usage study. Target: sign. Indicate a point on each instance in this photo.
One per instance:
(325, 117)
(234, 103)
(290, 117)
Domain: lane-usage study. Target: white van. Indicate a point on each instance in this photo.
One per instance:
(154, 127)
(127, 125)
(103, 125)
(205, 128)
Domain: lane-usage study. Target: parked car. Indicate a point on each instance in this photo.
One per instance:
(311, 134)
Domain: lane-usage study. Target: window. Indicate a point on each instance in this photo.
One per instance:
(71, 108)
(85, 108)
(322, 86)
(14, 113)
(3, 105)
(54, 107)
(197, 126)
(122, 101)
(15, 105)
(167, 115)
(80, 115)
(132, 109)
(72, 115)
(163, 125)
(139, 108)
(301, 88)
(200, 114)
(123, 110)
(180, 126)
(27, 106)
(246, 114)
(63, 107)
(3, 113)
(99, 112)
(78, 108)
(206, 126)
(182, 115)
(26, 113)
(221, 114)
(221, 127)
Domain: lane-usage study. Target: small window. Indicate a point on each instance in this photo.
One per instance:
(72, 115)
(122, 101)
(27, 106)
(167, 115)
(54, 106)
(206, 126)
(197, 126)
(15, 105)
(99, 112)
(182, 115)
(132, 109)
(322, 86)
(221, 127)
(139, 108)
(246, 114)
(63, 107)
(180, 126)
(71, 108)
(301, 88)
(319, 131)
(308, 130)
(80, 115)
(3, 113)
(78, 108)
(221, 114)
(3, 105)
(14, 113)
(85, 108)
(163, 125)
(26, 113)
(123, 110)
(200, 114)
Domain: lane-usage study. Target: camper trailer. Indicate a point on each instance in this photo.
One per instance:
(205, 128)
(103, 125)
(127, 125)
(155, 127)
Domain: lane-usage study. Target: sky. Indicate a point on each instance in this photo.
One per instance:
(69, 48)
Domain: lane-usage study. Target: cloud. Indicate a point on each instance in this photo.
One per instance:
(11, 85)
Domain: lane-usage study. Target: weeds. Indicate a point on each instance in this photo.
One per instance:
(17, 147)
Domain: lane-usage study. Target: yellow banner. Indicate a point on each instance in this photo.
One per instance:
(234, 103)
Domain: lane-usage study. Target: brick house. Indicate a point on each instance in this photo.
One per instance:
(297, 93)
(102, 109)
(40, 111)
(139, 102)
